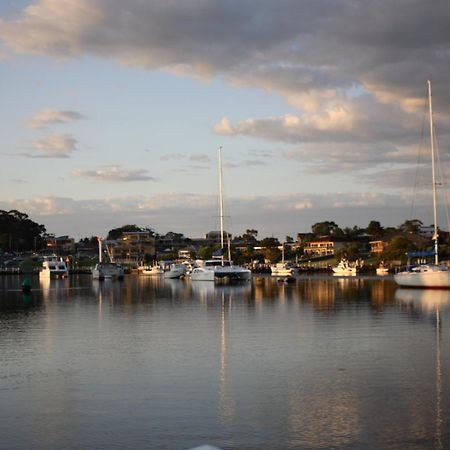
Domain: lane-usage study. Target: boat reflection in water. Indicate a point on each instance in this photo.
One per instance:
(431, 302)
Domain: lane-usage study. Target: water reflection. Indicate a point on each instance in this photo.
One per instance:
(431, 302)
(324, 362)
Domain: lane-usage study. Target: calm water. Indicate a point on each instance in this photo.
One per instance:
(152, 364)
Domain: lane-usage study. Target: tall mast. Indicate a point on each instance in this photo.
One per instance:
(221, 198)
(433, 173)
(100, 250)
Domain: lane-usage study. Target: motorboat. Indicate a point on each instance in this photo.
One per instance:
(53, 267)
(152, 271)
(432, 275)
(382, 270)
(108, 271)
(345, 268)
(220, 271)
(282, 269)
(176, 271)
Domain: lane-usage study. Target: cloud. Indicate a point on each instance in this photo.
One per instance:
(192, 214)
(52, 146)
(51, 116)
(114, 174)
(353, 73)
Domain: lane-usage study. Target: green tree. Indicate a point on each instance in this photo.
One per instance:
(270, 242)
(411, 226)
(116, 233)
(19, 232)
(374, 228)
(326, 228)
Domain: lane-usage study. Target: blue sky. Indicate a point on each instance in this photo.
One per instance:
(112, 112)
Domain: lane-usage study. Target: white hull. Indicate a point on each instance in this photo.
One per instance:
(176, 271)
(340, 271)
(425, 277)
(221, 273)
(154, 271)
(50, 274)
(280, 270)
(53, 267)
(107, 271)
(382, 271)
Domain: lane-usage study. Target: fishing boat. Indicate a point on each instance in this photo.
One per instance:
(220, 269)
(433, 275)
(282, 269)
(106, 270)
(53, 267)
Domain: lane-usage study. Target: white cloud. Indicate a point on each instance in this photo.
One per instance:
(49, 116)
(52, 146)
(114, 174)
(191, 214)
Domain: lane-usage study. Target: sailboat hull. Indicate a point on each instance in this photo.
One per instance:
(424, 279)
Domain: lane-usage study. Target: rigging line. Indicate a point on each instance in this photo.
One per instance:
(442, 180)
(419, 152)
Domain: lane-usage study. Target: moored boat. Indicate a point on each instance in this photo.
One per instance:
(432, 275)
(53, 267)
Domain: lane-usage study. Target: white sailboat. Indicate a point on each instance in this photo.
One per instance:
(428, 275)
(220, 269)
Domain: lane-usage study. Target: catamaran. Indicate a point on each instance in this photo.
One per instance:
(220, 269)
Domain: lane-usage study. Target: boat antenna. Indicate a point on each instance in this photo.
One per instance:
(221, 200)
(433, 173)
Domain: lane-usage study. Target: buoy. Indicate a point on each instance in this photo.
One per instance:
(26, 285)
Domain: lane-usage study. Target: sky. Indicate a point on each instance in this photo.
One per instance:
(112, 113)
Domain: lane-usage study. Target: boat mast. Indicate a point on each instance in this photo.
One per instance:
(433, 173)
(100, 250)
(221, 200)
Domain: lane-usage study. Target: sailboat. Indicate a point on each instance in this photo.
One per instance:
(220, 269)
(428, 275)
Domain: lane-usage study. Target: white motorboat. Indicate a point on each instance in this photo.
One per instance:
(152, 271)
(220, 270)
(176, 271)
(282, 269)
(428, 275)
(382, 270)
(53, 267)
(345, 268)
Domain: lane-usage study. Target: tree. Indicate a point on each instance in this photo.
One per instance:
(326, 228)
(397, 249)
(270, 242)
(374, 228)
(411, 226)
(116, 233)
(19, 232)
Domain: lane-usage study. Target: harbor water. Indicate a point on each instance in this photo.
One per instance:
(322, 363)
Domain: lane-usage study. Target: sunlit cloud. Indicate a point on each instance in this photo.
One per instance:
(51, 116)
(114, 174)
(52, 146)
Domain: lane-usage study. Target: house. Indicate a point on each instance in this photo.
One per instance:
(133, 246)
(61, 245)
(324, 246)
